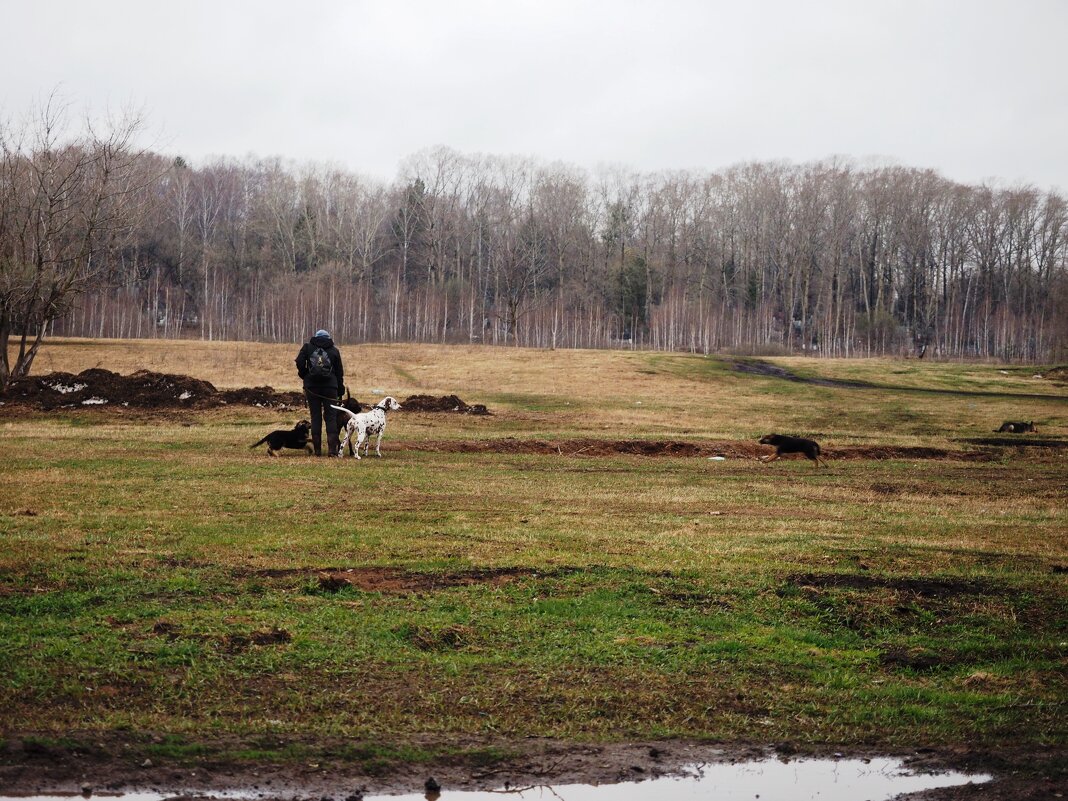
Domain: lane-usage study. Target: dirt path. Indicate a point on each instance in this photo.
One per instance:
(728, 449)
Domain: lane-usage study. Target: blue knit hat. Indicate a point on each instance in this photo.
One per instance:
(322, 332)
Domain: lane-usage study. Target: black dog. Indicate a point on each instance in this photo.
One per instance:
(1013, 427)
(352, 404)
(784, 444)
(296, 439)
(355, 407)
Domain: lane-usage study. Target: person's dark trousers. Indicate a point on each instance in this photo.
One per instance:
(319, 401)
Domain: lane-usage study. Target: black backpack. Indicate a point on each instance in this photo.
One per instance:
(319, 365)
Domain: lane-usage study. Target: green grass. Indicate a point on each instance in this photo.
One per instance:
(162, 578)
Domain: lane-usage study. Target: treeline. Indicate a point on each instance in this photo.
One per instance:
(826, 259)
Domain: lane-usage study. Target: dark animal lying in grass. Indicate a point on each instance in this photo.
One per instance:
(784, 444)
(1013, 427)
(297, 439)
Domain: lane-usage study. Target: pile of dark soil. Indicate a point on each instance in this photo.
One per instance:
(262, 396)
(96, 388)
(445, 403)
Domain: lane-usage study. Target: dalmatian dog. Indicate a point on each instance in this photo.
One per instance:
(365, 424)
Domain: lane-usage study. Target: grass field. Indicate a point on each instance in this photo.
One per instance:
(158, 576)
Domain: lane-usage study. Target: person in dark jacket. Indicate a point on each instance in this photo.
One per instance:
(319, 364)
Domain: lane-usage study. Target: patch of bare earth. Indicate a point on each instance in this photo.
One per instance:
(399, 580)
(1022, 441)
(927, 587)
(728, 449)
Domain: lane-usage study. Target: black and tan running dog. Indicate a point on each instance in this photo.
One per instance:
(1014, 427)
(297, 438)
(784, 444)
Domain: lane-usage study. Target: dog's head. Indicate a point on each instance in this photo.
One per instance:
(388, 404)
(302, 426)
(770, 439)
(352, 404)
(1030, 426)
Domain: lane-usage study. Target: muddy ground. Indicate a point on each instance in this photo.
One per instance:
(110, 763)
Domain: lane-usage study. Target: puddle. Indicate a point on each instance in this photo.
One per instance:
(767, 780)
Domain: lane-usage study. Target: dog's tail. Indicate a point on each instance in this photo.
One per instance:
(343, 409)
(259, 443)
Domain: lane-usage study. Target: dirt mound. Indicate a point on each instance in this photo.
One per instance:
(444, 403)
(97, 388)
(261, 396)
(94, 388)
(1057, 373)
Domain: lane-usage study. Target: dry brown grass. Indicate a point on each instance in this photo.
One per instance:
(397, 368)
(623, 394)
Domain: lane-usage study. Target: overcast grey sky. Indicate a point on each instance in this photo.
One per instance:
(977, 89)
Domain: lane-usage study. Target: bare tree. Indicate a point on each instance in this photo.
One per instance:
(66, 200)
(824, 258)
